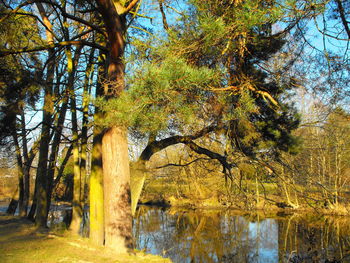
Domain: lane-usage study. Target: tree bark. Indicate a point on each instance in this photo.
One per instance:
(96, 190)
(116, 176)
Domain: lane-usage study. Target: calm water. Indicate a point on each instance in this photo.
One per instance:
(223, 236)
(219, 236)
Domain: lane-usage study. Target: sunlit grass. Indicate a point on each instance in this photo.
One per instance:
(21, 243)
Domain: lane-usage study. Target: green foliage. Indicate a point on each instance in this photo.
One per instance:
(208, 70)
(168, 91)
(19, 31)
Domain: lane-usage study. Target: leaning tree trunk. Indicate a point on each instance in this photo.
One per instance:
(137, 180)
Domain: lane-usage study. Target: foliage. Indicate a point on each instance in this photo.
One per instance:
(163, 92)
(209, 69)
(18, 74)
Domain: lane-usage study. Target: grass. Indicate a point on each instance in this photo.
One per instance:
(21, 243)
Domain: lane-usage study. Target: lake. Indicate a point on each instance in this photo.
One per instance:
(225, 236)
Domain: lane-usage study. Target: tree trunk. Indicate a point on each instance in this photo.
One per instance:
(31, 214)
(20, 176)
(96, 175)
(42, 184)
(42, 195)
(96, 190)
(26, 165)
(85, 122)
(77, 213)
(116, 176)
(116, 173)
(137, 180)
(11, 209)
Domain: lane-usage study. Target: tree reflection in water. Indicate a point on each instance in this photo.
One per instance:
(222, 236)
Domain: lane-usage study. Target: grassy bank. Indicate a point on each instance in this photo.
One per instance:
(20, 243)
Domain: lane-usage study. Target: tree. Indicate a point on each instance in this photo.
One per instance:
(210, 69)
(19, 90)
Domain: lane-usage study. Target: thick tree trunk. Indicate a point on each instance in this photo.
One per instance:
(116, 176)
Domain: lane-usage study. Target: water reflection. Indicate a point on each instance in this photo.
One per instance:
(60, 217)
(224, 236)
(218, 236)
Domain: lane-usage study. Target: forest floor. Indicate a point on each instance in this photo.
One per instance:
(21, 243)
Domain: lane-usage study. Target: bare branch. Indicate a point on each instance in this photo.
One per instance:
(156, 146)
(342, 17)
(129, 7)
(183, 165)
(6, 52)
(165, 22)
